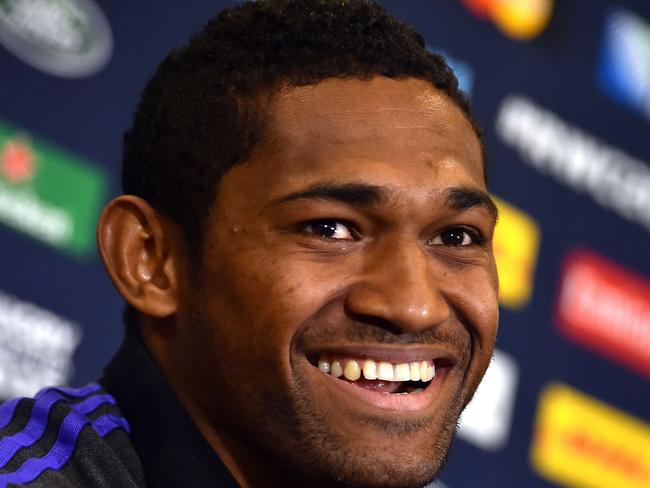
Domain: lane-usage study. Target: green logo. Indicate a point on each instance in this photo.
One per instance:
(49, 194)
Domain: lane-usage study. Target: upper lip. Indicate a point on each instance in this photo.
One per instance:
(389, 353)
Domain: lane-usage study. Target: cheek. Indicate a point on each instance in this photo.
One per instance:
(475, 294)
(260, 302)
(476, 298)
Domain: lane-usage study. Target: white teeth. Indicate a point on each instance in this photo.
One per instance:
(352, 371)
(402, 372)
(369, 369)
(385, 371)
(324, 366)
(427, 372)
(336, 369)
(415, 371)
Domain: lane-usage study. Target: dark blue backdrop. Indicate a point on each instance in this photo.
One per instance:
(556, 72)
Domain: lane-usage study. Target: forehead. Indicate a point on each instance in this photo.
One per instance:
(382, 131)
(347, 111)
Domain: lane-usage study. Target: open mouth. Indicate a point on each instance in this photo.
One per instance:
(380, 376)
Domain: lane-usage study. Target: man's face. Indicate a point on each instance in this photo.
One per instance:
(360, 239)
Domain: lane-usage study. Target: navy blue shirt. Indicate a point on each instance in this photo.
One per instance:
(126, 431)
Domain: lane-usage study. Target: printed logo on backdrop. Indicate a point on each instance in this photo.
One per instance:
(48, 194)
(583, 443)
(36, 348)
(624, 67)
(612, 178)
(516, 244)
(463, 71)
(606, 308)
(436, 484)
(67, 38)
(486, 420)
(518, 19)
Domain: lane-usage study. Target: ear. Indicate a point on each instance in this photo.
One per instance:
(142, 251)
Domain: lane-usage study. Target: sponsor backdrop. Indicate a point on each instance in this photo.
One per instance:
(563, 91)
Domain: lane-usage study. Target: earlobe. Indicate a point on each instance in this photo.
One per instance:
(140, 249)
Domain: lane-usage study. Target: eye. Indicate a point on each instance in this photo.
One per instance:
(455, 236)
(330, 229)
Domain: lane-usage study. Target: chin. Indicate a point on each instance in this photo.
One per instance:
(400, 458)
(350, 469)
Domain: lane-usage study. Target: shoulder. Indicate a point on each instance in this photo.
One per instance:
(66, 437)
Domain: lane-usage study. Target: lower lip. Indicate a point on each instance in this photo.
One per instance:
(411, 402)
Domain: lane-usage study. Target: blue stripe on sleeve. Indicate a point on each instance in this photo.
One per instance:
(63, 447)
(37, 424)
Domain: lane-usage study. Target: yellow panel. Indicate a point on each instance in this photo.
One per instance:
(522, 19)
(516, 243)
(583, 443)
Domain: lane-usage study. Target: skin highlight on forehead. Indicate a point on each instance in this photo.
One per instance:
(362, 110)
(346, 118)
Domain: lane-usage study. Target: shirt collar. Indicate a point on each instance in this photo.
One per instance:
(172, 451)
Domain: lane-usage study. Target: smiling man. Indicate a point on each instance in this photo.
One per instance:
(304, 243)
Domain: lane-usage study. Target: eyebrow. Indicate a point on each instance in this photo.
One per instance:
(360, 194)
(463, 198)
(350, 193)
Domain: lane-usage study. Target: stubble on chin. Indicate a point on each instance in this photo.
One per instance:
(313, 453)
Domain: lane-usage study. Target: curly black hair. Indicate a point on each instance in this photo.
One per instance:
(203, 111)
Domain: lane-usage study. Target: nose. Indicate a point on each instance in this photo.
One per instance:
(400, 285)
